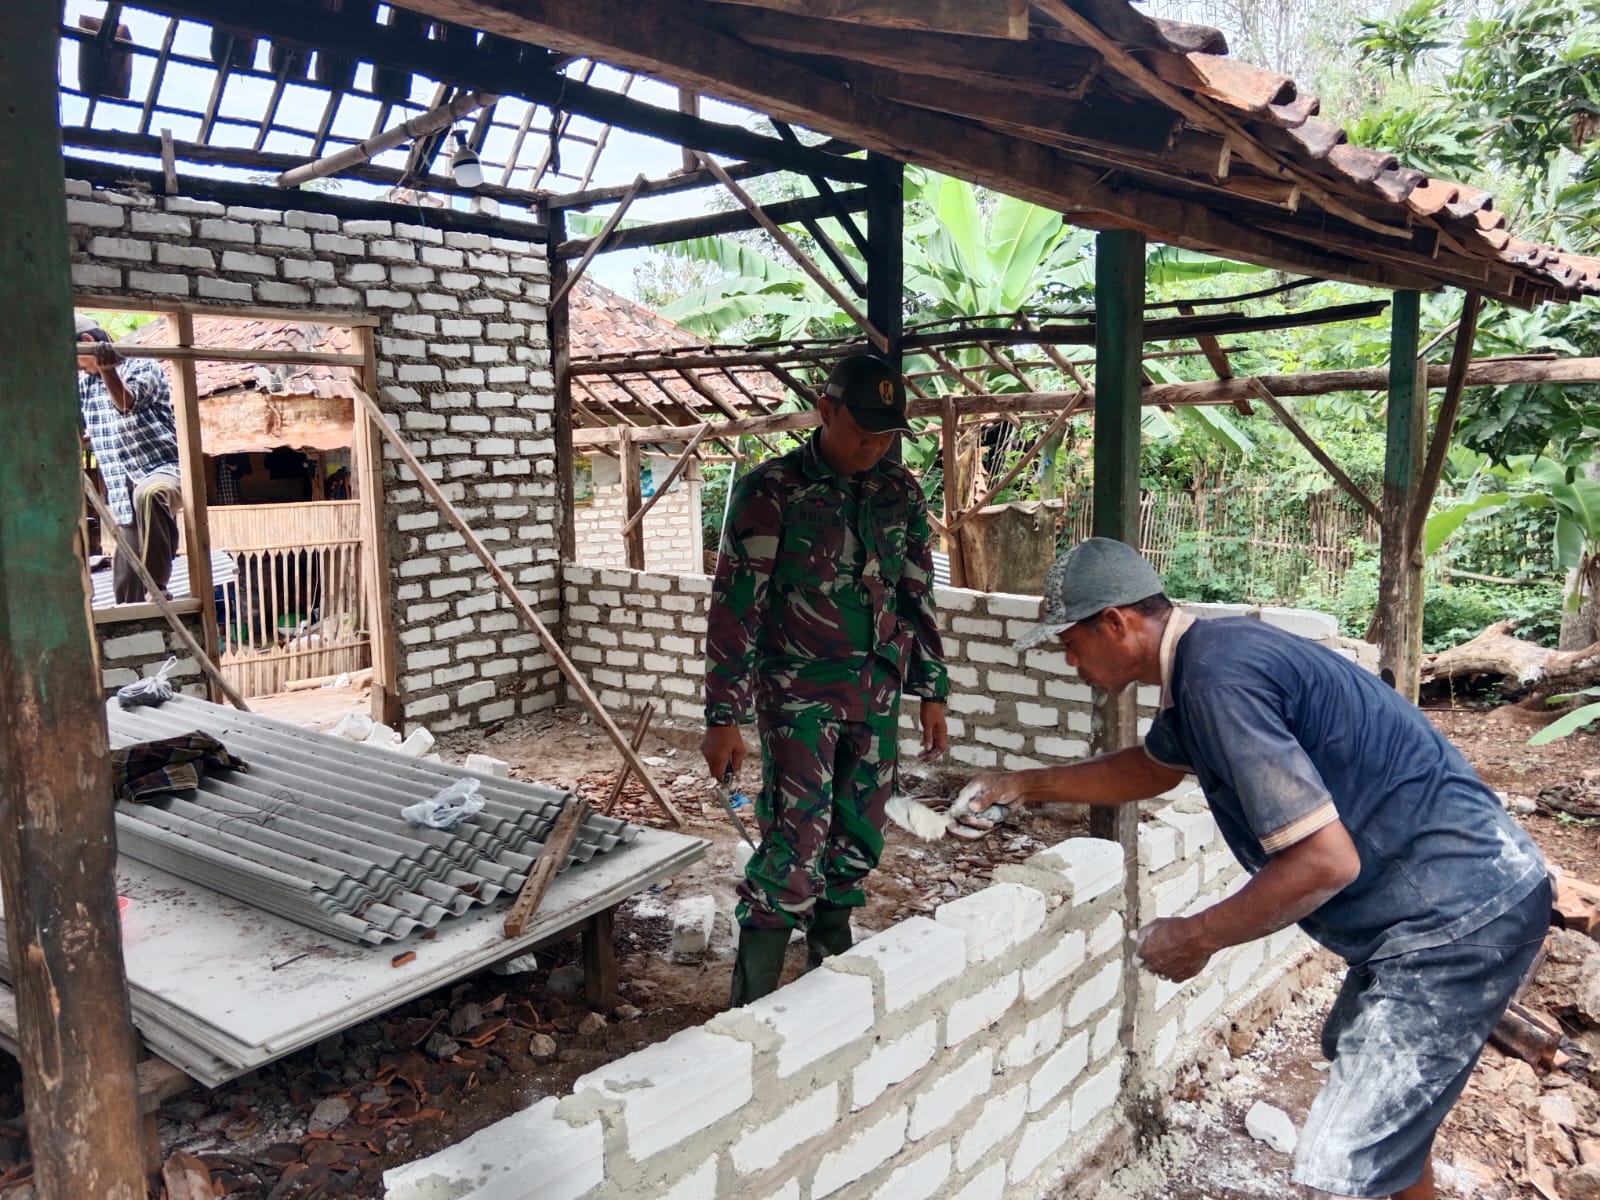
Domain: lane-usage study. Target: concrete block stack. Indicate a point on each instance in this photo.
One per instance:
(461, 340)
(962, 1055)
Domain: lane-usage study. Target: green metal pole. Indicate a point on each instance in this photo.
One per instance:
(1399, 580)
(57, 839)
(886, 269)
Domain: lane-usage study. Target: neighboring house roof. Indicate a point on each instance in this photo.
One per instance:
(605, 325)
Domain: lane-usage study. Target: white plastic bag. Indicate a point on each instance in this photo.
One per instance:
(151, 690)
(453, 804)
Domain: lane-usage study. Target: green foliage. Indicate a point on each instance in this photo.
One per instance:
(120, 324)
(1579, 718)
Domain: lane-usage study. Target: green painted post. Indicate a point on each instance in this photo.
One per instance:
(1399, 635)
(886, 225)
(1119, 285)
(57, 843)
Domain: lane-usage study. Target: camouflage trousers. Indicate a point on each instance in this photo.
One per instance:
(823, 791)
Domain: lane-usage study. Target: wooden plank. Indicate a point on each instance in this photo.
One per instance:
(596, 242)
(558, 324)
(557, 843)
(639, 729)
(193, 354)
(684, 229)
(149, 304)
(367, 451)
(949, 428)
(546, 639)
(970, 18)
(57, 838)
(192, 467)
(1316, 451)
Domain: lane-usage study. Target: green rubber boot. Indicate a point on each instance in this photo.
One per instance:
(758, 965)
(829, 934)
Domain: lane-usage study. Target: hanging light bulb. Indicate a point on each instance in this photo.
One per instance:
(464, 166)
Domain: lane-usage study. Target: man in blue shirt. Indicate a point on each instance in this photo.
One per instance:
(1354, 817)
(127, 413)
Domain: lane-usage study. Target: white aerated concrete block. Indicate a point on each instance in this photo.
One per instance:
(1089, 998)
(987, 1184)
(976, 1013)
(485, 764)
(699, 1184)
(951, 1093)
(891, 1063)
(795, 1126)
(1038, 1036)
(1158, 845)
(1058, 1072)
(692, 922)
(1096, 1094)
(999, 918)
(1106, 936)
(815, 1016)
(911, 958)
(1092, 866)
(675, 1088)
(918, 1180)
(868, 1149)
(1319, 627)
(418, 742)
(1054, 965)
(498, 1162)
(996, 1122)
(356, 727)
(1173, 896)
(1199, 829)
(1040, 1140)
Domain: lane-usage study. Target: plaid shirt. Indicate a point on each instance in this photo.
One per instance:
(131, 446)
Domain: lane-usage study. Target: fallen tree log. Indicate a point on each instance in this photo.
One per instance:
(1522, 668)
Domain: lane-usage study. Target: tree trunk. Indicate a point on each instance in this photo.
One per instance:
(1522, 668)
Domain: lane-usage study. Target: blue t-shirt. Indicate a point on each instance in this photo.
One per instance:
(1276, 728)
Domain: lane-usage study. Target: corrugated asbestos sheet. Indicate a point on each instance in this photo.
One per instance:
(312, 831)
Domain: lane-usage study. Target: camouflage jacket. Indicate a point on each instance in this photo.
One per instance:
(823, 599)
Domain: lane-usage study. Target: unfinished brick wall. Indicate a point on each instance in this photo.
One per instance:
(461, 346)
(640, 635)
(971, 1055)
(131, 650)
(673, 542)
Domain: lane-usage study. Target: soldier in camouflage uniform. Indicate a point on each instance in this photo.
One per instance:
(821, 615)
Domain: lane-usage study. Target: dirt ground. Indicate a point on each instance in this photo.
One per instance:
(328, 1120)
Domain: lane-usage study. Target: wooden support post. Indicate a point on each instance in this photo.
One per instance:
(191, 464)
(948, 429)
(558, 317)
(367, 450)
(636, 520)
(1118, 377)
(599, 958)
(633, 495)
(547, 640)
(1401, 465)
(58, 850)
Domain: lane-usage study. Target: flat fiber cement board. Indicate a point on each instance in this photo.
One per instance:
(243, 979)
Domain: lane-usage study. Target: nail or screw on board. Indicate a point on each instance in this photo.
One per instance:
(400, 960)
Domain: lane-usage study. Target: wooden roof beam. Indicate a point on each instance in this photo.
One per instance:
(970, 18)
(666, 232)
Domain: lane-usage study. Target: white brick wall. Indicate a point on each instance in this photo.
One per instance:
(310, 264)
(131, 650)
(918, 1065)
(673, 540)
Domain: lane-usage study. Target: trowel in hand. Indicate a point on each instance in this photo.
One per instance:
(918, 819)
(962, 822)
(725, 794)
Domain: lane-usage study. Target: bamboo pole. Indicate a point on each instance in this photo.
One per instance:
(419, 126)
(546, 638)
(158, 597)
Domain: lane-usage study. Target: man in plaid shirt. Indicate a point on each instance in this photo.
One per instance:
(127, 413)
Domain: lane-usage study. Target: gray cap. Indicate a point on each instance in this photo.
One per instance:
(85, 324)
(1096, 574)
